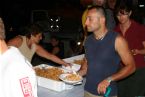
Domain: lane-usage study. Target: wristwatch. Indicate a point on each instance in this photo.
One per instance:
(109, 79)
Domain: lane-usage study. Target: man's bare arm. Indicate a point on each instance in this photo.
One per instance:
(83, 69)
(123, 50)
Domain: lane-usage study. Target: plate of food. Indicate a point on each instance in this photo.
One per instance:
(71, 78)
(73, 67)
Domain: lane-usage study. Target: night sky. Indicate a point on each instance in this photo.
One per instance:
(17, 13)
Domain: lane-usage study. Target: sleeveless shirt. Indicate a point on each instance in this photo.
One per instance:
(26, 51)
(103, 61)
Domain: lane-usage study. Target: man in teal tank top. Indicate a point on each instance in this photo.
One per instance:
(104, 50)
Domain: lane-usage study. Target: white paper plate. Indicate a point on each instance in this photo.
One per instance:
(63, 78)
(74, 67)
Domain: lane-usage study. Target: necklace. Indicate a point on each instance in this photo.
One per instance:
(101, 37)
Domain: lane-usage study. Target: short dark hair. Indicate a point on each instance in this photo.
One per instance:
(2, 30)
(99, 9)
(33, 29)
(122, 7)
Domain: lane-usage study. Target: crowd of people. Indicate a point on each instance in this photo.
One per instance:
(97, 67)
(114, 54)
(104, 50)
(134, 33)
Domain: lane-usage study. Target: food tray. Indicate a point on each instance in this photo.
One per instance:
(71, 59)
(51, 84)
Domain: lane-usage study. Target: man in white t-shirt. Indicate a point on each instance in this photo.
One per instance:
(17, 78)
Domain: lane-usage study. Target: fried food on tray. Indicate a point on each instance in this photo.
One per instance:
(73, 77)
(51, 73)
(80, 62)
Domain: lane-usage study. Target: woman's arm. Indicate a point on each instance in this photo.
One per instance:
(43, 53)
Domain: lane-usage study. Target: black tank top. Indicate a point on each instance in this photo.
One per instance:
(103, 61)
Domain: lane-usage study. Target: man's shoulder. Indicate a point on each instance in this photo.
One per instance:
(13, 51)
(16, 41)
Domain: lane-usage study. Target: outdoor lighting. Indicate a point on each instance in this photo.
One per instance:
(79, 43)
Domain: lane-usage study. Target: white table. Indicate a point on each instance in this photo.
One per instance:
(76, 91)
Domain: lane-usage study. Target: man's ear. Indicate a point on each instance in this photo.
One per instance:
(103, 20)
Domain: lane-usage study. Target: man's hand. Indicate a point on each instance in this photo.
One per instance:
(102, 86)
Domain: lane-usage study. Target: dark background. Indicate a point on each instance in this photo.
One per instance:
(19, 13)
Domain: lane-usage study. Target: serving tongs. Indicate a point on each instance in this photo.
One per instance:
(44, 67)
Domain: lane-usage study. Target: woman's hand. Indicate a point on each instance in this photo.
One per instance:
(67, 64)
